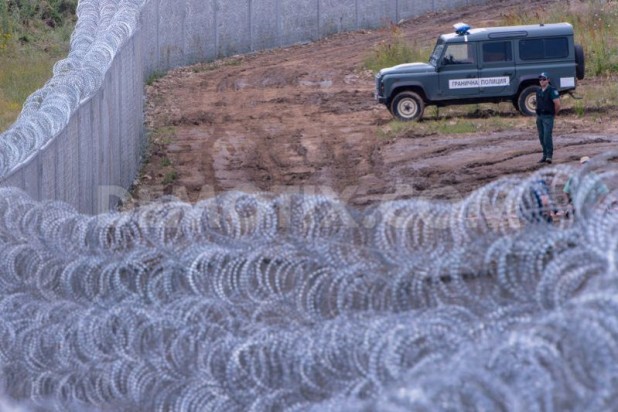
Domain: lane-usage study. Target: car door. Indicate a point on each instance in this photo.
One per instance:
(458, 71)
(496, 69)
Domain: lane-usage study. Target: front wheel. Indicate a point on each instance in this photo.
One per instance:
(526, 102)
(407, 106)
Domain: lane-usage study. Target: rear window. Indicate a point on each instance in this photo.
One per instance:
(540, 49)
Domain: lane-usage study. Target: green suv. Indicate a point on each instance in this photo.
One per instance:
(484, 65)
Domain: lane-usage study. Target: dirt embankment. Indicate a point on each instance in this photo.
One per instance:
(303, 120)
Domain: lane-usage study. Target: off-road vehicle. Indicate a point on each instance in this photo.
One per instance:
(484, 65)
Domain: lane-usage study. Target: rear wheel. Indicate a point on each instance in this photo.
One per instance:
(526, 102)
(407, 106)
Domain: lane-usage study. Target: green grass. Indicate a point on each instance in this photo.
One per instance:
(33, 36)
(162, 135)
(154, 76)
(203, 67)
(444, 123)
(170, 177)
(579, 108)
(599, 95)
(21, 73)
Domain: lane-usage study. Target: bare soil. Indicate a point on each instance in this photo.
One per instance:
(303, 119)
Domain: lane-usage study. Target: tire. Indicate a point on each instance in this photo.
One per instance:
(407, 106)
(526, 101)
(580, 62)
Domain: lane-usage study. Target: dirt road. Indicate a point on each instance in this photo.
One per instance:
(303, 120)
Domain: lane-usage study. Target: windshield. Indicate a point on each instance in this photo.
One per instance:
(437, 52)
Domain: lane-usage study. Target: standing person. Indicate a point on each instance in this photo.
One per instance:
(547, 107)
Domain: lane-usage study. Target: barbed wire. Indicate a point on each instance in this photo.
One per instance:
(261, 302)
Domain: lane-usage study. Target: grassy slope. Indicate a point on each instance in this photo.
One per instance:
(33, 36)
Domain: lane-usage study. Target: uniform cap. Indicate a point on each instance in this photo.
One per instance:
(544, 75)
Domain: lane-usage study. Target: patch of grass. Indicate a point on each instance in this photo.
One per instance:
(599, 94)
(21, 73)
(154, 76)
(452, 126)
(208, 66)
(157, 140)
(33, 36)
(396, 50)
(397, 128)
(464, 119)
(233, 61)
(457, 126)
(170, 177)
(162, 135)
(579, 108)
(8, 113)
(5, 39)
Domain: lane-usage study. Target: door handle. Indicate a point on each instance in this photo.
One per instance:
(507, 74)
(471, 76)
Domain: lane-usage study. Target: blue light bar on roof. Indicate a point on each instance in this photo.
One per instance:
(461, 28)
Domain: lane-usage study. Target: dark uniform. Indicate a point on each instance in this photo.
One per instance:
(546, 111)
(537, 204)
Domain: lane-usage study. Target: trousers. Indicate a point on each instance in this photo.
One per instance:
(545, 127)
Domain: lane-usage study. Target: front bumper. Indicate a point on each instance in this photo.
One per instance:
(379, 93)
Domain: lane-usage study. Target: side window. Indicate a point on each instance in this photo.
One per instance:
(531, 49)
(539, 49)
(500, 51)
(556, 48)
(461, 53)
